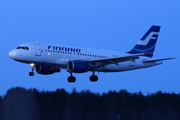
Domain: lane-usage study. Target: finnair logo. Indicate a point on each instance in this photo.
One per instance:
(66, 49)
(148, 38)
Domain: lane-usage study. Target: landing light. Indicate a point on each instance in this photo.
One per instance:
(32, 64)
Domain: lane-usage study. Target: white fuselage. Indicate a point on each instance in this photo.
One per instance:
(58, 56)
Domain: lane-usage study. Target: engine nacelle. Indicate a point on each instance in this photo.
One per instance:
(77, 66)
(46, 70)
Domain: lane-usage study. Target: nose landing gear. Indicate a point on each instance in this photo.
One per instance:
(32, 67)
(31, 73)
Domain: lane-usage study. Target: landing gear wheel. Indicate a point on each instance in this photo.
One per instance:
(31, 73)
(71, 79)
(93, 78)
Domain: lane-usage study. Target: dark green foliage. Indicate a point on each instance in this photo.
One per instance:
(1, 108)
(85, 105)
(19, 104)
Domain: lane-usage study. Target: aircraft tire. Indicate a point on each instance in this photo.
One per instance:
(71, 79)
(31, 73)
(93, 78)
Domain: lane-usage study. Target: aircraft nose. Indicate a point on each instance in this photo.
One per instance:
(12, 54)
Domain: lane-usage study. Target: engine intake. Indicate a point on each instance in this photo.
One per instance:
(46, 70)
(77, 66)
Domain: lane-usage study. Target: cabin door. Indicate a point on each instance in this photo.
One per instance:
(38, 50)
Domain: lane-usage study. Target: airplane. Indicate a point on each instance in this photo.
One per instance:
(48, 58)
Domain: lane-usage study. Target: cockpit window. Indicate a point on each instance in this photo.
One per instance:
(23, 47)
(19, 47)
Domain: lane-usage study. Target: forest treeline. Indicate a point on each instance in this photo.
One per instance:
(22, 104)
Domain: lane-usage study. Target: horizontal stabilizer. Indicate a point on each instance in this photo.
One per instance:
(147, 61)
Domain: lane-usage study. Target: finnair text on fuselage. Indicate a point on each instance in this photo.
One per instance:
(65, 49)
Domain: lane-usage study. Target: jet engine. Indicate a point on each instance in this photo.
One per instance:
(77, 66)
(46, 70)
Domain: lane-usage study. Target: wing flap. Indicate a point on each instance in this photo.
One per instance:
(103, 62)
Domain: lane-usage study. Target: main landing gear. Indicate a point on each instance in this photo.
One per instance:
(32, 67)
(92, 78)
(71, 78)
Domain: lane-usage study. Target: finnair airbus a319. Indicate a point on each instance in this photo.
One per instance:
(48, 59)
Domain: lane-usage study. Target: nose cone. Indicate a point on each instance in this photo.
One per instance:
(12, 54)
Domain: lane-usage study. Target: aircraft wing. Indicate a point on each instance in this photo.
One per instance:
(148, 61)
(104, 62)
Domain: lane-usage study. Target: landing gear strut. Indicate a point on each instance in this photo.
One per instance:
(93, 78)
(71, 78)
(32, 67)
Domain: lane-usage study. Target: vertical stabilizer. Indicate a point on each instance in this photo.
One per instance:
(147, 42)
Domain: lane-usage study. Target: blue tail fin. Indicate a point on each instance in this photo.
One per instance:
(147, 42)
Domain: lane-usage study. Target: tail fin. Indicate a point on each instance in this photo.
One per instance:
(147, 42)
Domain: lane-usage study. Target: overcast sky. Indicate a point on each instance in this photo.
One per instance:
(115, 25)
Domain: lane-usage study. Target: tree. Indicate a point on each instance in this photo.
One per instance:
(19, 104)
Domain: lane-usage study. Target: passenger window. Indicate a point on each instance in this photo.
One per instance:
(27, 48)
(23, 48)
